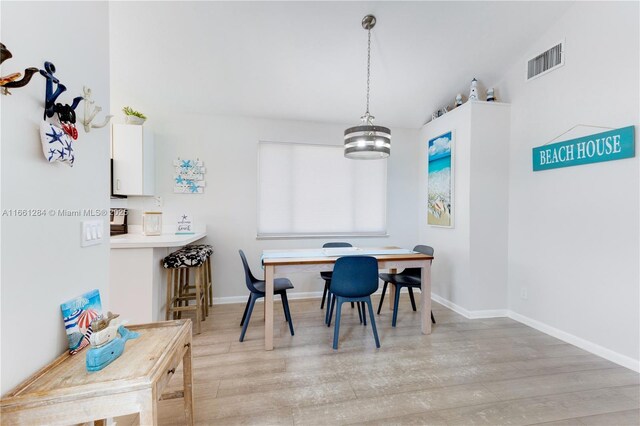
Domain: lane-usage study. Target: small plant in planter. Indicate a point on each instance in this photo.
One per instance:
(132, 116)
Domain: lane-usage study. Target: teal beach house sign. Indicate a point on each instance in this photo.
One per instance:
(606, 146)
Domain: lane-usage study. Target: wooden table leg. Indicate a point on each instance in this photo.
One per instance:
(148, 409)
(187, 378)
(269, 271)
(425, 298)
(392, 291)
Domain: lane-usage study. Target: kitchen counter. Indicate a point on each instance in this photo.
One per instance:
(137, 281)
(130, 241)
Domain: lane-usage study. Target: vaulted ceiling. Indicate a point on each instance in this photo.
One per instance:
(307, 60)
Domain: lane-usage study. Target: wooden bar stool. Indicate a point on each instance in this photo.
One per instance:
(178, 265)
(207, 251)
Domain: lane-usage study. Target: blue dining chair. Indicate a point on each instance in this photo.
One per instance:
(410, 278)
(326, 276)
(355, 279)
(256, 288)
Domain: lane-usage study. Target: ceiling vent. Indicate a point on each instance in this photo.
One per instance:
(546, 61)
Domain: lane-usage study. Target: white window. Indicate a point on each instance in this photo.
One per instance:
(312, 190)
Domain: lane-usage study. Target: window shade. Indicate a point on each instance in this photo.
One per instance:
(313, 190)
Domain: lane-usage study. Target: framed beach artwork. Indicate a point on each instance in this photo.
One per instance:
(78, 313)
(440, 206)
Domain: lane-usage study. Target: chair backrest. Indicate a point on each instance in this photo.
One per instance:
(416, 272)
(250, 280)
(336, 244)
(355, 276)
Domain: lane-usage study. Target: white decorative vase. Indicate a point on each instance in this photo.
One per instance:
(132, 119)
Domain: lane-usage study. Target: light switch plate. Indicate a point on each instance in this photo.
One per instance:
(91, 233)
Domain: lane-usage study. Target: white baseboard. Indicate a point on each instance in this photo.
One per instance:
(601, 351)
(243, 299)
(478, 314)
(291, 295)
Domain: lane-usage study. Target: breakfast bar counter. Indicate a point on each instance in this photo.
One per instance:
(128, 241)
(137, 279)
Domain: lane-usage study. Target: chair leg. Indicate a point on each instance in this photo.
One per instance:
(364, 313)
(324, 293)
(360, 313)
(352, 305)
(395, 305)
(384, 290)
(246, 308)
(332, 304)
(252, 302)
(326, 314)
(373, 323)
(413, 301)
(336, 330)
(433, 320)
(287, 312)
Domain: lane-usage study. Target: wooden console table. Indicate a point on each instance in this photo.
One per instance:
(64, 392)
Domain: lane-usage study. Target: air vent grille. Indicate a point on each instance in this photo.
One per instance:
(545, 62)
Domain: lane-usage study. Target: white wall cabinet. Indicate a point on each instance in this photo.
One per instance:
(470, 266)
(132, 149)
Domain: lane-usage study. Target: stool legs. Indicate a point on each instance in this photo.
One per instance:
(200, 308)
(170, 301)
(178, 294)
(210, 281)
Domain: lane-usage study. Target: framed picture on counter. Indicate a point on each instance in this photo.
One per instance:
(184, 225)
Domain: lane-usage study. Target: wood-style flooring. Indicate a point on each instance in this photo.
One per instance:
(484, 371)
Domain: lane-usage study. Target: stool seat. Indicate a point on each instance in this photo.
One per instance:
(205, 248)
(185, 258)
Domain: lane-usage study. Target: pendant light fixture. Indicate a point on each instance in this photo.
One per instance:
(367, 141)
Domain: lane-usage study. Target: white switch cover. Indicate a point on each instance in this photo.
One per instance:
(91, 233)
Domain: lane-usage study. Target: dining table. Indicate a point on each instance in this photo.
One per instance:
(280, 263)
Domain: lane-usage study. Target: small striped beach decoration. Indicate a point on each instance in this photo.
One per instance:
(72, 320)
(84, 321)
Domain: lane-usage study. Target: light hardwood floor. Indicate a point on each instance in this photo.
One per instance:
(491, 371)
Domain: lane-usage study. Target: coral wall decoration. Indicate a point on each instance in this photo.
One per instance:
(189, 176)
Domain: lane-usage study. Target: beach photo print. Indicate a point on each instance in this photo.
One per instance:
(440, 181)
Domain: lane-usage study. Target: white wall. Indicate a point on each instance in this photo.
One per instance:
(573, 232)
(451, 270)
(228, 207)
(470, 269)
(42, 262)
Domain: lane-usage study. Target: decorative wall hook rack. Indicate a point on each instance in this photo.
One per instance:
(66, 112)
(11, 81)
(90, 115)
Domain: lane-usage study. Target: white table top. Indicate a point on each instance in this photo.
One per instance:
(126, 241)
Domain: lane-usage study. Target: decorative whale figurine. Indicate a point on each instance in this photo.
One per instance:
(101, 323)
(99, 358)
(105, 335)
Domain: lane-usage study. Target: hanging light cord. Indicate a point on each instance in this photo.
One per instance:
(368, 69)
